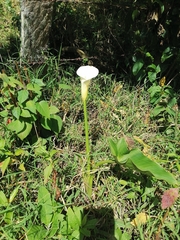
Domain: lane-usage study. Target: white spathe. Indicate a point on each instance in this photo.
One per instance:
(86, 73)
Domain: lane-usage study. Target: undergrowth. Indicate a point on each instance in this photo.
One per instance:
(42, 190)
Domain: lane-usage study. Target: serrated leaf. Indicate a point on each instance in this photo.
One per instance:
(43, 108)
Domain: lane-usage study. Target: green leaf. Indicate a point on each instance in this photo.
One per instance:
(74, 217)
(47, 172)
(2, 143)
(44, 200)
(65, 86)
(4, 113)
(3, 200)
(5, 164)
(8, 217)
(54, 226)
(135, 13)
(122, 148)
(157, 110)
(43, 108)
(137, 66)
(145, 165)
(26, 131)
(113, 147)
(166, 54)
(25, 113)
(16, 111)
(36, 233)
(34, 88)
(16, 126)
(38, 81)
(53, 124)
(53, 110)
(22, 96)
(13, 194)
(31, 106)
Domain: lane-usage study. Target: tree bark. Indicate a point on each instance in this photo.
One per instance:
(36, 18)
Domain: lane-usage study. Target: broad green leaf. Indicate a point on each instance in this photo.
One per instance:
(74, 217)
(5, 164)
(19, 152)
(13, 194)
(25, 113)
(31, 106)
(3, 200)
(43, 108)
(149, 167)
(44, 200)
(16, 126)
(122, 148)
(47, 172)
(53, 110)
(16, 112)
(4, 113)
(113, 148)
(54, 226)
(53, 124)
(137, 66)
(157, 110)
(36, 232)
(34, 88)
(8, 217)
(38, 81)
(166, 54)
(22, 96)
(2, 143)
(26, 131)
(46, 213)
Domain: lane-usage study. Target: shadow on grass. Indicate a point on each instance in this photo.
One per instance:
(103, 221)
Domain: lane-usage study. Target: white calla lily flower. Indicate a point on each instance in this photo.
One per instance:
(86, 73)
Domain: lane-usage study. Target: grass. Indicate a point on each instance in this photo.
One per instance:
(115, 110)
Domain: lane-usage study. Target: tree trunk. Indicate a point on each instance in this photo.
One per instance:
(36, 17)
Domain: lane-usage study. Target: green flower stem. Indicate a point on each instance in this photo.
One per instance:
(87, 138)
